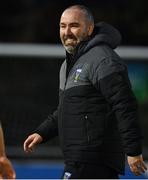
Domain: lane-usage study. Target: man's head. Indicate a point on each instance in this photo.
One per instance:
(76, 25)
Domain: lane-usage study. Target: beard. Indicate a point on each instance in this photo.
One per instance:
(70, 49)
(72, 43)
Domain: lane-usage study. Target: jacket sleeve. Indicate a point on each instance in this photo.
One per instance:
(112, 79)
(49, 128)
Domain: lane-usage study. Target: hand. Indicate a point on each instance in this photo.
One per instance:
(31, 142)
(6, 169)
(137, 164)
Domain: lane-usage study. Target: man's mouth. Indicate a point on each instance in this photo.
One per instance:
(70, 41)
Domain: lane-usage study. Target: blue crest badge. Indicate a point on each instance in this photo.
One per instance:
(78, 71)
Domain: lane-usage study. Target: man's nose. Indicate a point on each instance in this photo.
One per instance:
(68, 31)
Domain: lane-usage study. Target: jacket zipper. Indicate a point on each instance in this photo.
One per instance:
(86, 121)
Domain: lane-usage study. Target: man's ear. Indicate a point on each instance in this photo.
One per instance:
(90, 29)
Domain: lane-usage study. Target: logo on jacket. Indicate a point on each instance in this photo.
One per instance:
(67, 175)
(77, 74)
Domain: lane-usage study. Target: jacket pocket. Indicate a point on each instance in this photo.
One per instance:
(94, 129)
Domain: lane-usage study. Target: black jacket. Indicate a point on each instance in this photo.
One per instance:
(96, 119)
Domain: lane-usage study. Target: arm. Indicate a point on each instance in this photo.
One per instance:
(6, 170)
(118, 93)
(2, 146)
(120, 96)
(116, 88)
(47, 130)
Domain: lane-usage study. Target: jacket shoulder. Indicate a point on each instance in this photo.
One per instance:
(98, 53)
(103, 61)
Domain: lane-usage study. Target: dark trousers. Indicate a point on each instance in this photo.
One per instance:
(78, 170)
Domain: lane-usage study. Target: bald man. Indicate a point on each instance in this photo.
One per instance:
(96, 119)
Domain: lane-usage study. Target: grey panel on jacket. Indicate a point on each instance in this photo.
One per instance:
(94, 65)
(63, 75)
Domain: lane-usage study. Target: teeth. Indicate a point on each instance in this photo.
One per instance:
(69, 40)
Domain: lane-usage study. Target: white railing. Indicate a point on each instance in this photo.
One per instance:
(31, 50)
(57, 51)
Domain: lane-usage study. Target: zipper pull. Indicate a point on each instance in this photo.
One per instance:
(86, 117)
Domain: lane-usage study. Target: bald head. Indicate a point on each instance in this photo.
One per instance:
(76, 25)
(87, 13)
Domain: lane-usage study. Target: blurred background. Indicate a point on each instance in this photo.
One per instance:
(30, 58)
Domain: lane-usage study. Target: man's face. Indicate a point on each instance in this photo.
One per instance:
(74, 28)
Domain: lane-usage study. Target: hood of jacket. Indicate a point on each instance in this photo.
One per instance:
(103, 33)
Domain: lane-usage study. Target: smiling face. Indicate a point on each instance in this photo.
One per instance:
(74, 28)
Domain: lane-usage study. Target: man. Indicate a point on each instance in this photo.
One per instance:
(96, 119)
(6, 169)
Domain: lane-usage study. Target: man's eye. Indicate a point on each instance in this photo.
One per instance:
(75, 25)
(62, 26)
